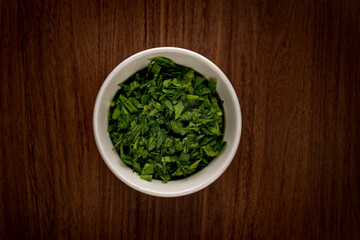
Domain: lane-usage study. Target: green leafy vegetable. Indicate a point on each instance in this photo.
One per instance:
(166, 121)
(179, 107)
(147, 172)
(164, 61)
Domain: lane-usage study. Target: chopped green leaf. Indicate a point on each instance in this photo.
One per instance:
(212, 86)
(133, 86)
(128, 104)
(147, 177)
(193, 167)
(167, 83)
(116, 113)
(164, 61)
(169, 105)
(198, 80)
(209, 151)
(192, 97)
(184, 157)
(166, 121)
(165, 178)
(177, 127)
(178, 109)
(156, 68)
(148, 169)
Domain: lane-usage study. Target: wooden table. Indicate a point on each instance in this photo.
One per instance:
(295, 68)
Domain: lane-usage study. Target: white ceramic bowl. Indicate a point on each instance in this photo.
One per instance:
(197, 181)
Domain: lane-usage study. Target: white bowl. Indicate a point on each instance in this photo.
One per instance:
(197, 181)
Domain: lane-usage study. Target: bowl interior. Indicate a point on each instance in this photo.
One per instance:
(198, 180)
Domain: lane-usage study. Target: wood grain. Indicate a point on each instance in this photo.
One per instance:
(294, 65)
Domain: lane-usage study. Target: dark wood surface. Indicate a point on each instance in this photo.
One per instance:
(294, 65)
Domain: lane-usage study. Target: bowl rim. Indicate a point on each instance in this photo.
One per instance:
(96, 129)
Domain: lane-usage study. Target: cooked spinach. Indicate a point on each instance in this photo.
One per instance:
(166, 121)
